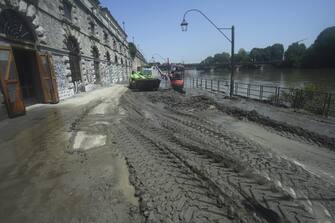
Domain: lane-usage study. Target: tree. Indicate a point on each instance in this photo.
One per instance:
(294, 54)
(222, 58)
(277, 52)
(132, 50)
(218, 59)
(242, 56)
(260, 55)
(321, 53)
(208, 61)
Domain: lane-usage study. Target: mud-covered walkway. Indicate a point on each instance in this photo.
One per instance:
(122, 156)
(59, 164)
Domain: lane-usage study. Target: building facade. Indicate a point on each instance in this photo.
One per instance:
(138, 61)
(53, 49)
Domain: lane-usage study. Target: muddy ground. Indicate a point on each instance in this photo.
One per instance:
(126, 156)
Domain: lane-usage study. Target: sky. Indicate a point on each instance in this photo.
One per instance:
(155, 25)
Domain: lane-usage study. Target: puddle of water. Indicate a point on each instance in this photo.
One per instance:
(84, 141)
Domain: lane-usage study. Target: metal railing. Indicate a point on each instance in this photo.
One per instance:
(321, 103)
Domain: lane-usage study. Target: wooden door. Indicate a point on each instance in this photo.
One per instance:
(10, 84)
(48, 78)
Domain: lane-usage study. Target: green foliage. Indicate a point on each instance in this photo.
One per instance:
(294, 54)
(310, 98)
(242, 56)
(221, 58)
(260, 54)
(270, 53)
(277, 52)
(257, 54)
(312, 87)
(132, 50)
(218, 59)
(208, 61)
(318, 55)
(321, 53)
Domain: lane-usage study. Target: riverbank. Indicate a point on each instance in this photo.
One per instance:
(289, 78)
(311, 127)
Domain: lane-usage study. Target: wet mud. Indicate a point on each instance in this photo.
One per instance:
(126, 156)
(59, 164)
(187, 168)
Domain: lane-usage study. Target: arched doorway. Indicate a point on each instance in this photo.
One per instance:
(74, 58)
(96, 55)
(30, 78)
(15, 27)
(20, 38)
(17, 30)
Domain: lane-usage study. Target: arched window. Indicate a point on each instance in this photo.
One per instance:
(74, 57)
(13, 25)
(96, 55)
(114, 44)
(108, 58)
(106, 37)
(67, 10)
(115, 59)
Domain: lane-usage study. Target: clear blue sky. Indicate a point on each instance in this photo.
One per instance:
(155, 24)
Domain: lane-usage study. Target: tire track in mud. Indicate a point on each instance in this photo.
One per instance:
(195, 133)
(282, 171)
(238, 183)
(169, 191)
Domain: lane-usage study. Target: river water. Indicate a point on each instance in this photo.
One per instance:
(290, 78)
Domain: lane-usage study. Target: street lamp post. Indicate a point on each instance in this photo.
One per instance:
(184, 26)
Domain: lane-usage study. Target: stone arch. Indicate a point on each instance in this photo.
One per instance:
(95, 52)
(73, 47)
(28, 13)
(16, 27)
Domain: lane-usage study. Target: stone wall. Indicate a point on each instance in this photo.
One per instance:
(52, 29)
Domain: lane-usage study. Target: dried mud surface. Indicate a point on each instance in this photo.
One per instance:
(186, 168)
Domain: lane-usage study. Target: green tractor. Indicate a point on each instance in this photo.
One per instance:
(144, 81)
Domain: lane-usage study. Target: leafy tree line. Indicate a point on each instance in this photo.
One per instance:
(271, 53)
(321, 54)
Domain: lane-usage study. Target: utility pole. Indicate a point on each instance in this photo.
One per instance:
(232, 57)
